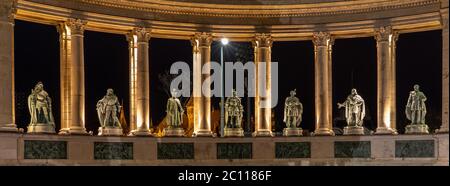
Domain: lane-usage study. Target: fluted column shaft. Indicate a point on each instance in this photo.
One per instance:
(141, 86)
(65, 55)
(201, 44)
(445, 108)
(323, 43)
(262, 45)
(132, 48)
(386, 79)
(77, 90)
(7, 120)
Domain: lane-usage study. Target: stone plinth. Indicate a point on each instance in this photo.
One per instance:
(416, 129)
(41, 128)
(233, 132)
(353, 130)
(292, 132)
(110, 131)
(174, 132)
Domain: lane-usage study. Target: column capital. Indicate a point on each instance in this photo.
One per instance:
(444, 18)
(142, 34)
(262, 40)
(322, 39)
(203, 39)
(76, 26)
(386, 33)
(8, 9)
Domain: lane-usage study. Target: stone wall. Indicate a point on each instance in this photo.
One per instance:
(24, 149)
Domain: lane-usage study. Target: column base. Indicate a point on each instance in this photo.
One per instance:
(323, 132)
(64, 131)
(416, 129)
(203, 133)
(77, 131)
(233, 132)
(263, 133)
(41, 128)
(292, 132)
(110, 131)
(385, 131)
(141, 132)
(9, 128)
(174, 132)
(353, 130)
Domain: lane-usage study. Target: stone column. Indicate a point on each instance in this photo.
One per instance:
(386, 108)
(445, 109)
(65, 53)
(262, 45)
(77, 116)
(141, 85)
(7, 11)
(323, 43)
(132, 48)
(201, 49)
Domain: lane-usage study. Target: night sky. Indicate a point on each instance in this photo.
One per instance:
(106, 66)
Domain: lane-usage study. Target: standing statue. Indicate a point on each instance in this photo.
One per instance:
(234, 111)
(107, 110)
(416, 111)
(174, 116)
(354, 113)
(293, 111)
(40, 107)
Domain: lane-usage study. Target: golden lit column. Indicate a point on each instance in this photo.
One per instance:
(7, 11)
(132, 48)
(65, 55)
(445, 108)
(386, 107)
(262, 45)
(77, 116)
(201, 50)
(139, 73)
(323, 43)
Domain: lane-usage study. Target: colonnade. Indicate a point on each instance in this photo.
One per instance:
(73, 89)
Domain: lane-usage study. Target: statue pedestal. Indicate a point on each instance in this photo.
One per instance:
(110, 131)
(233, 132)
(353, 130)
(416, 129)
(41, 128)
(292, 132)
(174, 132)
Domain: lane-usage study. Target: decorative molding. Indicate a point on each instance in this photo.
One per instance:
(258, 11)
(386, 33)
(322, 39)
(262, 40)
(202, 39)
(8, 9)
(143, 34)
(76, 26)
(444, 19)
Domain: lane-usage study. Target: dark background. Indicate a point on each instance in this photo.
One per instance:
(106, 66)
